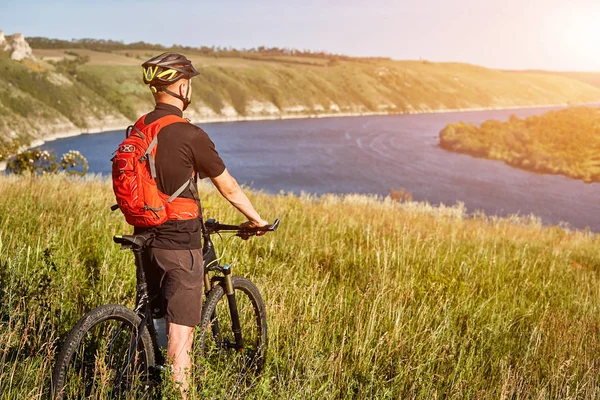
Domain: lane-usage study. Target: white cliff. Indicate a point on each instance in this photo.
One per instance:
(17, 46)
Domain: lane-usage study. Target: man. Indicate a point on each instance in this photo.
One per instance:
(175, 273)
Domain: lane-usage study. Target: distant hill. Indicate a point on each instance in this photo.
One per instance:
(90, 85)
(592, 78)
(565, 142)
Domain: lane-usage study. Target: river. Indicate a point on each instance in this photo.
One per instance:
(373, 155)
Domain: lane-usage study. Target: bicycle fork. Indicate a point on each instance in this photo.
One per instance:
(233, 311)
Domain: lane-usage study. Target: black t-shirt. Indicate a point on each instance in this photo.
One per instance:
(182, 149)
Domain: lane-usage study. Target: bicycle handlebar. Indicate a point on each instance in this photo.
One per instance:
(213, 226)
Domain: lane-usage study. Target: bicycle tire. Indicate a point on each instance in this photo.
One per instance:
(217, 349)
(79, 372)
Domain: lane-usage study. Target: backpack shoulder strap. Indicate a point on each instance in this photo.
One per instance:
(168, 120)
(162, 122)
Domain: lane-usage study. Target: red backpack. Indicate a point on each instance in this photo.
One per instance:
(134, 173)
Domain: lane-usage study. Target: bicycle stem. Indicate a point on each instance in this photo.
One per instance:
(209, 256)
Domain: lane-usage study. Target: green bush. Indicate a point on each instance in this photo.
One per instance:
(42, 162)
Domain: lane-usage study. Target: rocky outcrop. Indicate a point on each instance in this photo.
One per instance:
(20, 48)
(17, 45)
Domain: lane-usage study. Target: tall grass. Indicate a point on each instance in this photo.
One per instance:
(366, 298)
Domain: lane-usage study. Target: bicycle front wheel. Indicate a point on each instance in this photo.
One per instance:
(217, 340)
(104, 356)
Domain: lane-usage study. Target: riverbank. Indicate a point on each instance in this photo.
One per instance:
(77, 132)
(240, 118)
(73, 131)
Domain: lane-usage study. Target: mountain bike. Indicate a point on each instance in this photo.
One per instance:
(113, 351)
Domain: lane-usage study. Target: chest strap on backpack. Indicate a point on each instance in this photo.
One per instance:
(172, 197)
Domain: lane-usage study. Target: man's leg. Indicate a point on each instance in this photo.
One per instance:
(181, 287)
(179, 353)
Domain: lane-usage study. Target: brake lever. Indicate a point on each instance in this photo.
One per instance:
(244, 235)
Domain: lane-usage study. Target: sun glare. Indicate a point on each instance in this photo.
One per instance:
(582, 35)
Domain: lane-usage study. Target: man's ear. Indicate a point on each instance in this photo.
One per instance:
(183, 89)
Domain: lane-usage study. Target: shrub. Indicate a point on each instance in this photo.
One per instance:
(41, 162)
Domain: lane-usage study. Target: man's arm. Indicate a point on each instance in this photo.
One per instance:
(229, 188)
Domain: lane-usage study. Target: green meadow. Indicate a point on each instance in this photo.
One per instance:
(367, 298)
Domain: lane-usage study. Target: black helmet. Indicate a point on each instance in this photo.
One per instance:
(167, 68)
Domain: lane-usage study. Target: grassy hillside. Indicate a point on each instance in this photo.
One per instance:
(563, 142)
(592, 78)
(95, 87)
(38, 99)
(265, 85)
(365, 298)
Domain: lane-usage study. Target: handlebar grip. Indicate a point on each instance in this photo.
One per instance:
(274, 225)
(268, 228)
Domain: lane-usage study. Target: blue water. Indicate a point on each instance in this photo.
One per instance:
(373, 155)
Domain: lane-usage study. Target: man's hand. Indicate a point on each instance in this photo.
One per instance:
(256, 224)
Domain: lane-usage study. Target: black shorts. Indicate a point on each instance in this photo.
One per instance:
(175, 280)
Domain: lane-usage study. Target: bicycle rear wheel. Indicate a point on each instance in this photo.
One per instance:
(104, 357)
(217, 342)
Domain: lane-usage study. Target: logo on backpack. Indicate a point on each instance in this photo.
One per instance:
(127, 148)
(134, 174)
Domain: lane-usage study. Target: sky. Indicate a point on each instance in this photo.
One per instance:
(508, 34)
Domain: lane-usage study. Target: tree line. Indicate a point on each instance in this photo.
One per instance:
(108, 45)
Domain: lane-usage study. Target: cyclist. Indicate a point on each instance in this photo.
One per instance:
(175, 273)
